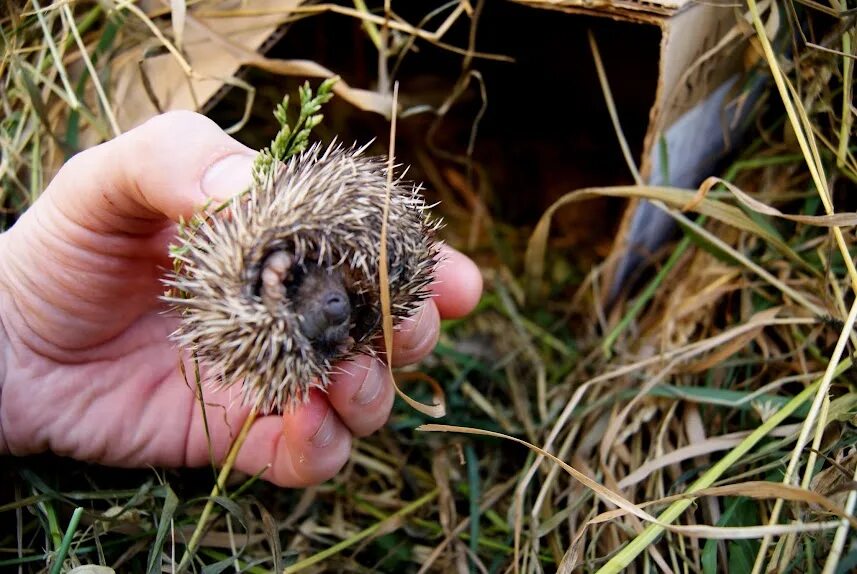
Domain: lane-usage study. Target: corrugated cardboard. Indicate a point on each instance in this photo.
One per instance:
(212, 51)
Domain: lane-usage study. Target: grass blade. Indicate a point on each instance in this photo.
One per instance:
(61, 554)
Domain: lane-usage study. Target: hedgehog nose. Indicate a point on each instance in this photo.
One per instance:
(336, 308)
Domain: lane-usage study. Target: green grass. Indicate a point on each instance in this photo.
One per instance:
(685, 355)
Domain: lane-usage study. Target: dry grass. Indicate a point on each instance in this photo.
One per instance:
(702, 422)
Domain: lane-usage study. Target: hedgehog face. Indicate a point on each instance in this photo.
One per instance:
(323, 307)
(318, 297)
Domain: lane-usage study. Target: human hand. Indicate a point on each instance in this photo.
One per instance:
(86, 367)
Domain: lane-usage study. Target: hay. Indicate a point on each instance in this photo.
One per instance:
(703, 422)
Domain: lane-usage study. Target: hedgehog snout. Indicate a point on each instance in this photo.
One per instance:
(324, 309)
(337, 308)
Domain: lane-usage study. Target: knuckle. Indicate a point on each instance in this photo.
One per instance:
(175, 121)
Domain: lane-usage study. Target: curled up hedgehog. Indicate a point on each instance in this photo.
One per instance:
(284, 282)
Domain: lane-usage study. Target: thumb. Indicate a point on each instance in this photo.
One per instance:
(85, 261)
(166, 168)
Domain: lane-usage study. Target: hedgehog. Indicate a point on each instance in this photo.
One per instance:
(280, 286)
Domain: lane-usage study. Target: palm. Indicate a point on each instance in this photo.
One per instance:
(110, 367)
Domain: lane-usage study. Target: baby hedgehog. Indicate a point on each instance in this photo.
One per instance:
(284, 282)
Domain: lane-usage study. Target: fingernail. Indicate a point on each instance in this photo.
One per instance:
(425, 326)
(326, 431)
(228, 176)
(372, 385)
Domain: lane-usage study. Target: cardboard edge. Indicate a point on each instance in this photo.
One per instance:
(621, 242)
(596, 7)
(611, 12)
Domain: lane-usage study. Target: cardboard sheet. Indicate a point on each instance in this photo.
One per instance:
(701, 59)
(213, 50)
